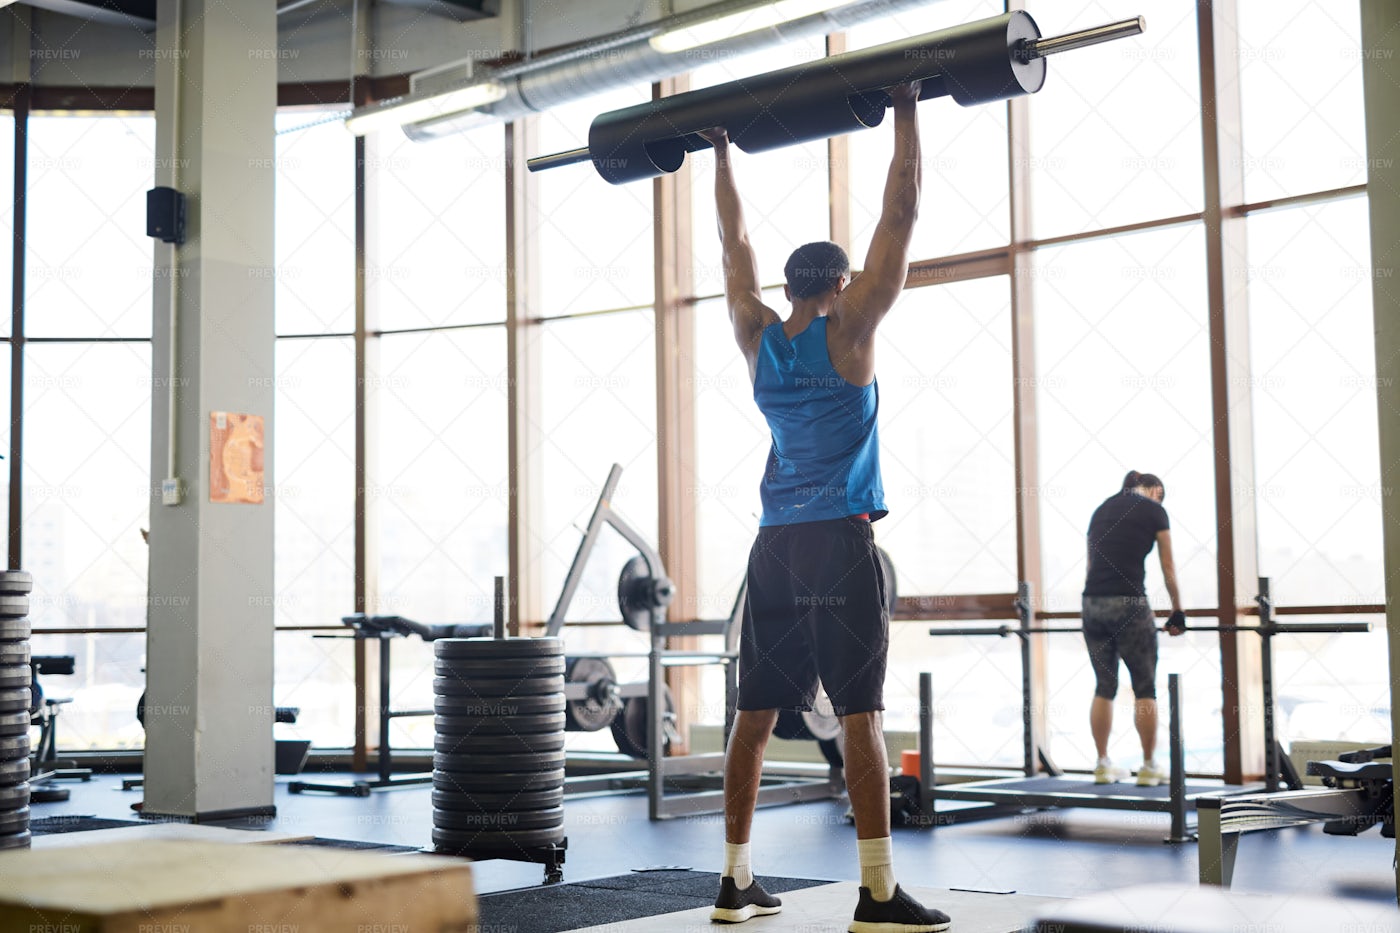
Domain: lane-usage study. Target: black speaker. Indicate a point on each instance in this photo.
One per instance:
(165, 215)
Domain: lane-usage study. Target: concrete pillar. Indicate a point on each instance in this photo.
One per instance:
(209, 744)
(1380, 71)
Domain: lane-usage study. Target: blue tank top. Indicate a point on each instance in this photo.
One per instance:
(825, 458)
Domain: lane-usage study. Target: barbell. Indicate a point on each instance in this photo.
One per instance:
(974, 63)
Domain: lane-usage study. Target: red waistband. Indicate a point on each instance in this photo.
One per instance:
(863, 515)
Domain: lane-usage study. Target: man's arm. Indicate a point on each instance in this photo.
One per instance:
(874, 291)
(747, 311)
(1164, 553)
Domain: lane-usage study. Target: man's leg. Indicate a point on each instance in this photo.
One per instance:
(867, 773)
(743, 766)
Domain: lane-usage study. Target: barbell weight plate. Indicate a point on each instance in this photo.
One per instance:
(15, 723)
(502, 841)
(632, 586)
(820, 721)
(14, 652)
(49, 794)
(15, 840)
(15, 700)
(790, 725)
(16, 582)
(474, 669)
(601, 706)
(14, 772)
(14, 746)
(499, 725)
(17, 821)
(498, 647)
(15, 675)
(14, 796)
(15, 629)
(509, 687)
(515, 800)
(514, 743)
(14, 607)
(497, 782)
(831, 751)
(528, 762)
(495, 822)
(629, 729)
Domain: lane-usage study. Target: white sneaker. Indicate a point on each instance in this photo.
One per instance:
(1149, 775)
(1105, 773)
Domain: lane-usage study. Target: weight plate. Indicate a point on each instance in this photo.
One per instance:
(630, 728)
(819, 722)
(497, 782)
(15, 675)
(534, 761)
(497, 647)
(16, 582)
(14, 652)
(49, 794)
(601, 705)
(518, 819)
(15, 841)
(495, 707)
(633, 594)
(505, 841)
(15, 723)
(14, 629)
(510, 687)
(887, 565)
(14, 772)
(471, 669)
(14, 746)
(16, 700)
(499, 725)
(498, 803)
(17, 821)
(510, 744)
(14, 607)
(14, 796)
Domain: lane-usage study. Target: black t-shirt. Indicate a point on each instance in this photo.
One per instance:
(1121, 535)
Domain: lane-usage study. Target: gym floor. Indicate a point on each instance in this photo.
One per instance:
(1063, 853)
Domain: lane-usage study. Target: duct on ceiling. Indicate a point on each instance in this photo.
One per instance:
(627, 57)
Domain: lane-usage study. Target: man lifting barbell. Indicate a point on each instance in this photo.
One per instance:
(815, 605)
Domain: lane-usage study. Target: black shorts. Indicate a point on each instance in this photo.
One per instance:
(815, 609)
(1121, 627)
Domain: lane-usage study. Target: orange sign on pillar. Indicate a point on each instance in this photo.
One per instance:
(235, 457)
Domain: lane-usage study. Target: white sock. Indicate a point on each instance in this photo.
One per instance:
(736, 864)
(1105, 763)
(877, 867)
(1149, 763)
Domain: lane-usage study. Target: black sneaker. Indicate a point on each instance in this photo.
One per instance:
(735, 906)
(899, 914)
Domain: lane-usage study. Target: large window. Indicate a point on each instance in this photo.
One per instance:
(315, 233)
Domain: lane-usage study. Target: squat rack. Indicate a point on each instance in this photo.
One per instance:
(1012, 795)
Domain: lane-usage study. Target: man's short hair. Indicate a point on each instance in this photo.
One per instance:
(813, 268)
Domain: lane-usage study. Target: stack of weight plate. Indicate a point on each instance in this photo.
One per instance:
(498, 762)
(15, 700)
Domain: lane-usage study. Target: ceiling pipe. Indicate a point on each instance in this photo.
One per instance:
(627, 57)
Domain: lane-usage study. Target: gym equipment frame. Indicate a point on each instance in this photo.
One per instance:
(644, 598)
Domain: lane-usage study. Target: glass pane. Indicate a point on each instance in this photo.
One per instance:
(437, 252)
(731, 448)
(965, 200)
(1101, 154)
(88, 264)
(1316, 459)
(317, 675)
(598, 408)
(7, 213)
(106, 682)
(87, 468)
(595, 239)
(785, 191)
(1332, 687)
(1300, 96)
(315, 217)
(441, 482)
(946, 439)
(1123, 383)
(314, 491)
